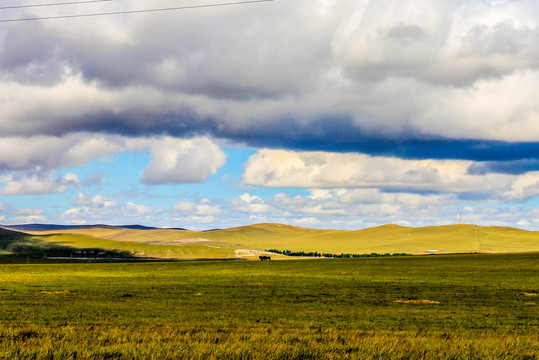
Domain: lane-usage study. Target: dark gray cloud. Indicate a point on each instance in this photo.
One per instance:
(514, 167)
(428, 79)
(328, 134)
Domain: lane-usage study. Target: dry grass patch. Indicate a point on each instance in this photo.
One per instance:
(424, 301)
(526, 294)
(23, 279)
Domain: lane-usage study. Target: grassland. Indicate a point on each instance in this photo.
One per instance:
(479, 306)
(234, 242)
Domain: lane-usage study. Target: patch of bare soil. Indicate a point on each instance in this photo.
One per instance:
(250, 252)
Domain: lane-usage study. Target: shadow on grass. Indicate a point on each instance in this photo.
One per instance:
(17, 244)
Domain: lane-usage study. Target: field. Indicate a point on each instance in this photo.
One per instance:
(248, 241)
(475, 306)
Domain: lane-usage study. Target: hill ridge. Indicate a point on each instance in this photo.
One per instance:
(49, 227)
(249, 240)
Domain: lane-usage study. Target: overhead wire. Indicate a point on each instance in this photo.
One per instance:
(52, 4)
(133, 11)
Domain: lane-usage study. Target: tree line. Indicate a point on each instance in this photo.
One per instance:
(330, 255)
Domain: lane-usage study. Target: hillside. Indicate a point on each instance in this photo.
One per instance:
(250, 241)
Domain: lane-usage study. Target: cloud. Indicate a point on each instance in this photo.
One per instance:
(533, 215)
(505, 167)
(29, 212)
(361, 208)
(97, 201)
(37, 183)
(524, 187)
(100, 209)
(201, 212)
(31, 219)
(48, 152)
(177, 161)
(340, 205)
(95, 179)
(13, 215)
(451, 43)
(173, 160)
(280, 168)
(434, 79)
(251, 204)
(363, 203)
(200, 208)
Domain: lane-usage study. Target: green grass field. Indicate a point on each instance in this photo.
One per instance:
(477, 306)
(233, 242)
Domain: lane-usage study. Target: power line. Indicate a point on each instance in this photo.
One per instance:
(51, 4)
(133, 11)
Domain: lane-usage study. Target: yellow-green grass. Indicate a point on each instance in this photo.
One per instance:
(473, 306)
(158, 243)
(384, 239)
(389, 238)
(66, 245)
(189, 250)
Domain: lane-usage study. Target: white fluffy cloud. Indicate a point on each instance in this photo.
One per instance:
(173, 160)
(12, 215)
(100, 209)
(195, 213)
(97, 201)
(280, 168)
(361, 208)
(176, 161)
(201, 208)
(251, 204)
(37, 183)
(524, 186)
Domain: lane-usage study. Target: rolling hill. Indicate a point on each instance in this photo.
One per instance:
(251, 241)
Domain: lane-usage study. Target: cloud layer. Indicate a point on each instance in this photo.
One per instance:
(361, 208)
(390, 77)
(281, 168)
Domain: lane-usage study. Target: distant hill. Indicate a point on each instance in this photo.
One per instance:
(251, 241)
(49, 227)
(7, 236)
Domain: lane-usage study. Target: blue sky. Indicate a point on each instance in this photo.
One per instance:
(329, 114)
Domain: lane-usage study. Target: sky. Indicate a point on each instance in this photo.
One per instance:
(341, 114)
